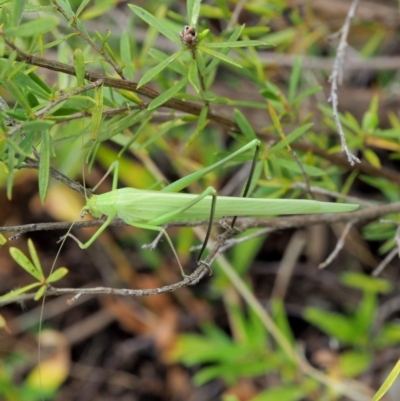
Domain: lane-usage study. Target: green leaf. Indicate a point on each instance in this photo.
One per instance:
(366, 283)
(97, 113)
(57, 275)
(297, 133)
(372, 158)
(79, 65)
(230, 45)
(307, 93)
(174, 65)
(201, 123)
(40, 292)
(17, 9)
(354, 363)
(220, 56)
(193, 10)
(244, 125)
(234, 36)
(193, 76)
(18, 95)
(126, 54)
(294, 78)
(294, 167)
(3, 239)
(333, 324)
(25, 263)
(158, 68)
(37, 125)
(34, 257)
(155, 23)
(54, 43)
(282, 393)
(31, 28)
(83, 4)
(18, 291)
(168, 94)
(388, 382)
(44, 167)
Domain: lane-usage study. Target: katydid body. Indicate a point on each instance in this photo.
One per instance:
(151, 207)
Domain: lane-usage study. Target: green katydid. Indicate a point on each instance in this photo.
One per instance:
(151, 210)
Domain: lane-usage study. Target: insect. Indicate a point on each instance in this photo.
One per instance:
(151, 210)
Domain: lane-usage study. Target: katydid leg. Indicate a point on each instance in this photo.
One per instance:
(210, 191)
(189, 179)
(114, 166)
(93, 237)
(250, 179)
(160, 230)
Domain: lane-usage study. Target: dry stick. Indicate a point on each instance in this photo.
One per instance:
(336, 79)
(191, 108)
(338, 247)
(389, 257)
(201, 270)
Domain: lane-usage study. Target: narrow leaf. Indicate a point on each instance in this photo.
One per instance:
(158, 68)
(126, 55)
(31, 28)
(155, 23)
(57, 275)
(15, 293)
(37, 125)
(97, 113)
(17, 9)
(294, 79)
(297, 133)
(234, 36)
(220, 56)
(35, 258)
(44, 167)
(194, 76)
(40, 292)
(175, 65)
(193, 10)
(3, 239)
(244, 125)
(388, 382)
(83, 4)
(168, 94)
(25, 263)
(79, 65)
(241, 43)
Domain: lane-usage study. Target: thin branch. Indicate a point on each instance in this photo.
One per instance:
(336, 79)
(75, 186)
(338, 247)
(193, 278)
(389, 257)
